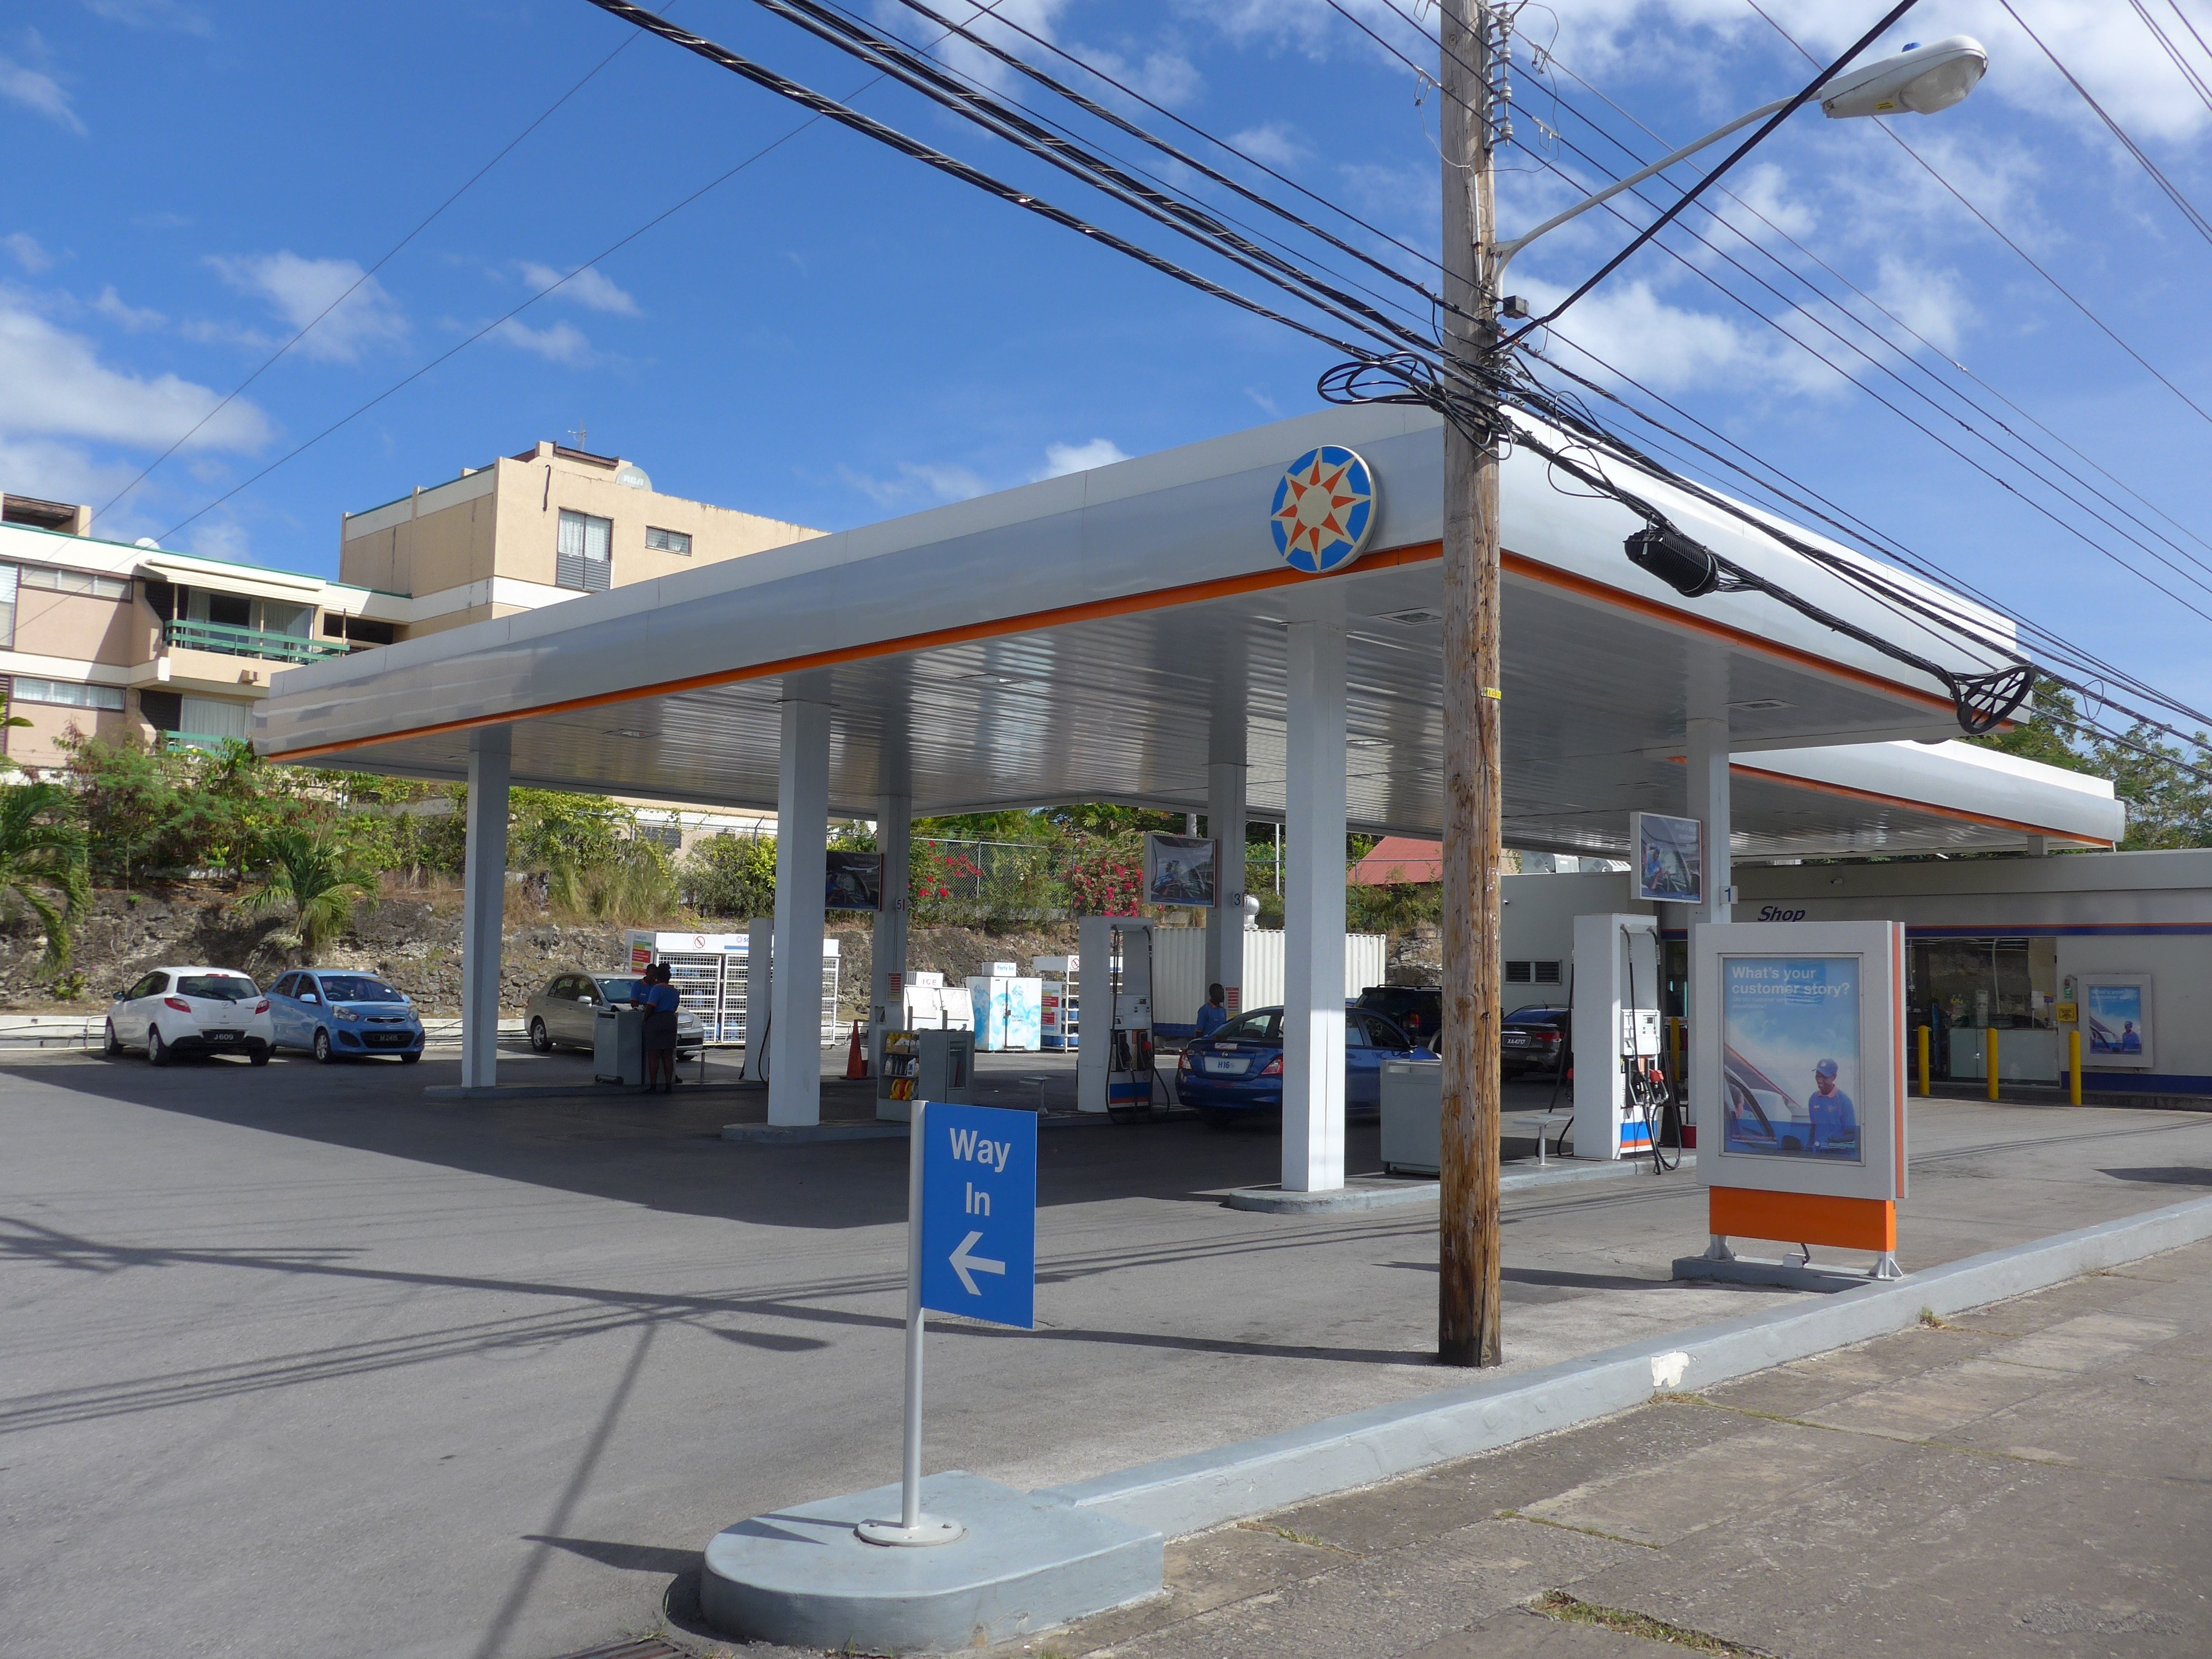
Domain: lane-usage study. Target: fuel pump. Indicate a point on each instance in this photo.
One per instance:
(1619, 1091)
(1647, 1092)
(1113, 1070)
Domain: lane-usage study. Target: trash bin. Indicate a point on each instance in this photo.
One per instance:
(618, 1046)
(1412, 1116)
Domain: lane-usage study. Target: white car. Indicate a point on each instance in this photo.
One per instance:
(192, 1011)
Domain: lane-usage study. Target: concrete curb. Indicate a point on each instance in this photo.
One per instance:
(565, 1091)
(1386, 1191)
(773, 1134)
(1183, 1495)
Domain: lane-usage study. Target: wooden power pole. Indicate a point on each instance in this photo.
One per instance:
(1467, 1322)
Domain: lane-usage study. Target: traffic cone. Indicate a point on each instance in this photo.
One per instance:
(856, 1062)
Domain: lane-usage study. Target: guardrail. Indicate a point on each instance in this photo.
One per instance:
(260, 642)
(87, 1030)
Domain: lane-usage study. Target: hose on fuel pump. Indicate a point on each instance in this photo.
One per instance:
(1649, 1091)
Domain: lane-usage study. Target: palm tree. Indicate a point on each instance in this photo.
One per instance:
(316, 876)
(42, 861)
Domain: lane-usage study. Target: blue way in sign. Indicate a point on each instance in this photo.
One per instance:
(979, 1214)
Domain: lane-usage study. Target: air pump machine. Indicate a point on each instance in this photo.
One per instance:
(1619, 1088)
(1114, 1065)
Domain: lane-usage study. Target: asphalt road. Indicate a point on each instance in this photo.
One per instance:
(298, 1363)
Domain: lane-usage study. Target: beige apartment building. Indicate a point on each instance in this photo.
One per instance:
(533, 529)
(110, 638)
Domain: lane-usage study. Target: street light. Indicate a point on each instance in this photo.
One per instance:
(1920, 81)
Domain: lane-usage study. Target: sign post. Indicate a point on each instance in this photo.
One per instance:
(971, 1249)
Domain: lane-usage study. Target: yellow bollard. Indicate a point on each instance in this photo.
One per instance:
(1992, 1034)
(1926, 1044)
(2073, 1065)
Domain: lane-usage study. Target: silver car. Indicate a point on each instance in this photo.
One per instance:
(565, 1014)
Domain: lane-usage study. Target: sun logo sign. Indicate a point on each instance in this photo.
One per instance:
(1324, 508)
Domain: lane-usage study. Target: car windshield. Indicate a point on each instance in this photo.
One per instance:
(1263, 1026)
(357, 987)
(216, 987)
(619, 990)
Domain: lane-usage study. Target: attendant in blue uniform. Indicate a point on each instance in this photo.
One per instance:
(1215, 1014)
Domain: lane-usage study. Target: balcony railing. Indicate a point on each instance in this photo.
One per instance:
(196, 740)
(261, 643)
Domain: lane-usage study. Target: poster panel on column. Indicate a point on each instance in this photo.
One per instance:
(1798, 1083)
(1670, 858)
(2116, 1021)
(1180, 870)
(854, 881)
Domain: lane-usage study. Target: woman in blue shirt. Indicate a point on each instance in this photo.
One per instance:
(656, 994)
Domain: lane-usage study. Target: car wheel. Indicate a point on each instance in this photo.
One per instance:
(111, 1044)
(258, 1056)
(156, 1050)
(540, 1038)
(410, 1060)
(322, 1047)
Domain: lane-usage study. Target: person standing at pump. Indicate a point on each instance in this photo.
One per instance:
(1215, 1015)
(656, 994)
(1835, 1119)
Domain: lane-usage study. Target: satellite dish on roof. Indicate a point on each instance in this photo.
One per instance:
(148, 543)
(631, 477)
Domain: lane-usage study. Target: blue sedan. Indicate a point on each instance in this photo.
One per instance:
(333, 1016)
(1236, 1073)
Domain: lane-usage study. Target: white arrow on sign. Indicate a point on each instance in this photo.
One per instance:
(961, 1262)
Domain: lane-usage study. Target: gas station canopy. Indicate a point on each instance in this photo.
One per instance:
(1107, 634)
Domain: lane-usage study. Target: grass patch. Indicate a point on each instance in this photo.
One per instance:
(1930, 1320)
(1563, 1526)
(1558, 1604)
(1307, 1539)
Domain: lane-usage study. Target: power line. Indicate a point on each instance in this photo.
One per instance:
(309, 326)
(2173, 191)
(2173, 52)
(2026, 258)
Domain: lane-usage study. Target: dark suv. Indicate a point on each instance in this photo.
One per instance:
(1416, 1010)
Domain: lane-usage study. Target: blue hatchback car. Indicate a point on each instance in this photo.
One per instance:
(335, 1016)
(1238, 1072)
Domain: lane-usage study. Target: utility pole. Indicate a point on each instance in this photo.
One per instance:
(1468, 1315)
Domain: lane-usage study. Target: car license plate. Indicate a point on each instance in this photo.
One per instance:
(220, 1037)
(1516, 1040)
(388, 1039)
(1228, 1067)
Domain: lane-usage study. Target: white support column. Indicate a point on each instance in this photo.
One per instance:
(484, 913)
(1709, 800)
(802, 832)
(1225, 923)
(1313, 913)
(893, 832)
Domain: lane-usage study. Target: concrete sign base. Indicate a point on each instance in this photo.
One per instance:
(1030, 1561)
(1752, 1270)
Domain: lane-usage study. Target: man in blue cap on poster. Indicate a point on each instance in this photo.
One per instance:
(1835, 1128)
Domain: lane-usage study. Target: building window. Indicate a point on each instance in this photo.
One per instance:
(8, 574)
(68, 694)
(1547, 973)
(75, 581)
(584, 561)
(1516, 973)
(669, 541)
(162, 710)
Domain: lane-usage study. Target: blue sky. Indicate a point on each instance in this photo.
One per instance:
(837, 334)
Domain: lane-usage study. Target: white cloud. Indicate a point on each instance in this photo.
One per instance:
(1272, 143)
(38, 91)
(110, 305)
(916, 484)
(1166, 78)
(563, 342)
(585, 286)
(1764, 189)
(1061, 459)
(300, 290)
(58, 471)
(27, 252)
(1932, 303)
(1670, 348)
(58, 387)
(224, 538)
(151, 14)
(1268, 405)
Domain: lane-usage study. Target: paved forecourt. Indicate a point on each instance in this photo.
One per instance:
(515, 1363)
